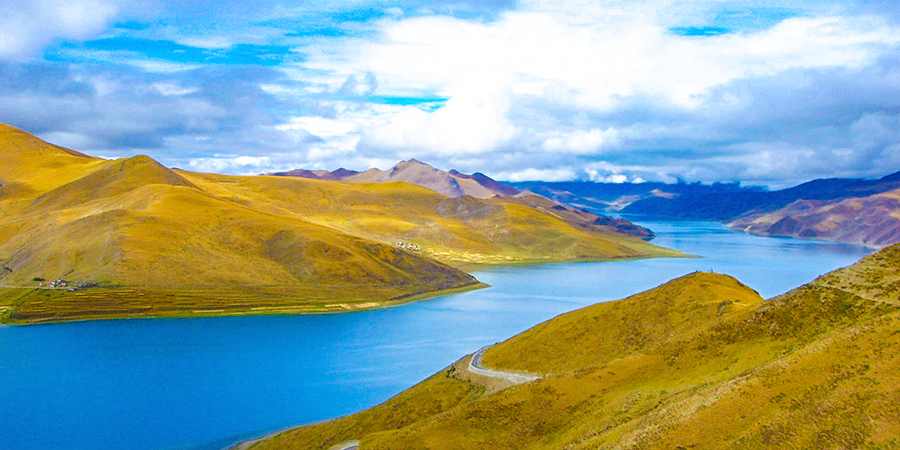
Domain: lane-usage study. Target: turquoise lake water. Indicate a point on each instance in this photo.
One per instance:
(208, 383)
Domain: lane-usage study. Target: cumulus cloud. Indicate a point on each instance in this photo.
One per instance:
(608, 91)
(123, 112)
(531, 174)
(472, 122)
(243, 165)
(581, 141)
(29, 25)
(613, 82)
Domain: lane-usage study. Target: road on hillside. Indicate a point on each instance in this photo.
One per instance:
(349, 445)
(476, 368)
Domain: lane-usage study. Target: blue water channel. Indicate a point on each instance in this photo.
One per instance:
(208, 383)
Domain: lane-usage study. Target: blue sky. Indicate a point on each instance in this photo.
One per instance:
(765, 92)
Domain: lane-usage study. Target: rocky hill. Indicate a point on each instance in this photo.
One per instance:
(872, 220)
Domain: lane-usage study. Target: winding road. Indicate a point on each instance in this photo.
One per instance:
(349, 445)
(476, 368)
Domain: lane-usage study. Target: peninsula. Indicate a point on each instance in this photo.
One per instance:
(88, 238)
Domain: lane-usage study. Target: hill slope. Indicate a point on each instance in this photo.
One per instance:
(457, 231)
(455, 185)
(699, 362)
(871, 220)
(133, 238)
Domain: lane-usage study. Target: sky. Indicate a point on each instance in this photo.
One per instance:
(766, 92)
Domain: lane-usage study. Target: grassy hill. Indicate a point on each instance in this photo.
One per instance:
(699, 362)
(135, 239)
(457, 231)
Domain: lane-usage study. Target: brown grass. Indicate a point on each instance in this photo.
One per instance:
(700, 362)
(194, 243)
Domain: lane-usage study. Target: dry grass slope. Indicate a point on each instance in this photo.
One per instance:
(147, 241)
(700, 362)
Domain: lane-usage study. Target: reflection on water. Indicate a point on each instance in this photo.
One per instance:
(205, 383)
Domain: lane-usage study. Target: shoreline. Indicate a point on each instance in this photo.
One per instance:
(336, 306)
(330, 308)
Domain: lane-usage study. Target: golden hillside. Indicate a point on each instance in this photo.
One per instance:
(456, 231)
(700, 362)
(136, 239)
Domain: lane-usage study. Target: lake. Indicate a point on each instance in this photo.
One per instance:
(207, 383)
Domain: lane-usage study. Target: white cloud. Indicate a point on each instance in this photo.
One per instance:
(767, 160)
(159, 66)
(68, 139)
(320, 126)
(29, 25)
(532, 92)
(620, 52)
(555, 174)
(582, 142)
(658, 170)
(610, 178)
(173, 89)
(339, 137)
(502, 77)
(473, 122)
(243, 165)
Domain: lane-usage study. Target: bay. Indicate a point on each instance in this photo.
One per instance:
(207, 383)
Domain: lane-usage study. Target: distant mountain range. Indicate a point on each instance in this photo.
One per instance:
(455, 184)
(840, 209)
(701, 362)
(614, 197)
(89, 238)
(451, 184)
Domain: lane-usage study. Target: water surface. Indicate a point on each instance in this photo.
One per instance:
(206, 383)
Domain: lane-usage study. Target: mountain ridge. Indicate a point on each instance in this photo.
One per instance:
(852, 210)
(89, 238)
(451, 183)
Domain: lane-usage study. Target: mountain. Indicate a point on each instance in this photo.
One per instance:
(336, 175)
(872, 220)
(849, 210)
(451, 184)
(613, 197)
(699, 362)
(581, 217)
(85, 238)
(729, 206)
(456, 184)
